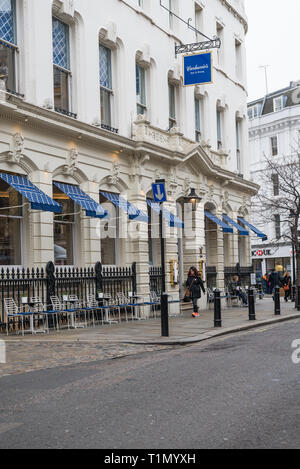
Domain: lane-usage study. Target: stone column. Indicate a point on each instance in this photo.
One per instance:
(194, 241)
(40, 241)
(137, 247)
(171, 254)
(220, 254)
(90, 241)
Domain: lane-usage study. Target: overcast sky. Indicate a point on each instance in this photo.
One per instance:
(273, 39)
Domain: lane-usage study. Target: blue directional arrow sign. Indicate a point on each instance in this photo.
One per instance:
(159, 192)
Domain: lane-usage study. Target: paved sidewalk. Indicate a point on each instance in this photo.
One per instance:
(183, 329)
(42, 352)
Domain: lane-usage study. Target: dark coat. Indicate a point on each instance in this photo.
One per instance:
(275, 279)
(195, 285)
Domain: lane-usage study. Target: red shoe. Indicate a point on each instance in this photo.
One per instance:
(195, 315)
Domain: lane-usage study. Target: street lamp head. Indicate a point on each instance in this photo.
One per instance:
(193, 198)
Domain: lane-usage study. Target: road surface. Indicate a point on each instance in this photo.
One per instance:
(241, 391)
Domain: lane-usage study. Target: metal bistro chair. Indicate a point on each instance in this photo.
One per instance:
(93, 308)
(124, 303)
(12, 311)
(153, 303)
(57, 309)
(38, 309)
(112, 309)
(76, 312)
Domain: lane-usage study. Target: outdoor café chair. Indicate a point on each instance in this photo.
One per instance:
(154, 303)
(38, 310)
(93, 308)
(12, 311)
(76, 310)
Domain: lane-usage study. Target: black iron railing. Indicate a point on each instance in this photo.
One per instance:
(244, 274)
(109, 128)
(65, 112)
(59, 281)
(211, 277)
(156, 279)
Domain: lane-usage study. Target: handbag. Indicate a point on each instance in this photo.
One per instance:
(286, 288)
(188, 294)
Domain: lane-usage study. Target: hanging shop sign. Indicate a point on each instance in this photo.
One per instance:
(198, 69)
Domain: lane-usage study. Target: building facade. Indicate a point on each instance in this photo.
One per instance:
(93, 111)
(274, 131)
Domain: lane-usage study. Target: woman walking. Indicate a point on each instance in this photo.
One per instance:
(287, 286)
(194, 285)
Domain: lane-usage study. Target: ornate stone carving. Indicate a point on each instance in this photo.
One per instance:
(137, 164)
(17, 152)
(187, 185)
(72, 162)
(113, 179)
(108, 34)
(172, 182)
(64, 8)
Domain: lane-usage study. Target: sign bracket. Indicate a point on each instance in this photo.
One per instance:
(214, 43)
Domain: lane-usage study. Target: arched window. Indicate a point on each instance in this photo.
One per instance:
(61, 67)
(106, 86)
(8, 44)
(11, 218)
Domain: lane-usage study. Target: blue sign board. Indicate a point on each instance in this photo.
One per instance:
(198, 69)
(159, 192)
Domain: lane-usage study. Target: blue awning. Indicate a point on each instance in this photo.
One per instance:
(222, 224)
(173, 221)
(241, 230)
(92, 208)
(252, 228)
(133, 212)
(38, 199)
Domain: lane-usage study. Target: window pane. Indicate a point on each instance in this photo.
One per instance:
(7, 66)
(10, 241)
(109, 233)
(105, 107)
(9, 197)
(61, 93)
(7, 30)
(63, 244)
(60, 36)
(140, 85)
(64, 229)
(105, 67)
(172, 106)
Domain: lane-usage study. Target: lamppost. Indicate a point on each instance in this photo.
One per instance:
(193, 199)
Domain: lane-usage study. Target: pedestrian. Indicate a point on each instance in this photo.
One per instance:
(194, 285)
(287, 286)
(236, 290)
(275, 280)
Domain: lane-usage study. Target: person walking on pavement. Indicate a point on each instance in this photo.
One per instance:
(276, 280)
(194, 285)
(287, 286)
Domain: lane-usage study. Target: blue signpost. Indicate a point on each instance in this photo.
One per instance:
(198, 69)
(160, 196)
(159, 192)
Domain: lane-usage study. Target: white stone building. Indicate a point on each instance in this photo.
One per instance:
(274, 130)
(92, 97)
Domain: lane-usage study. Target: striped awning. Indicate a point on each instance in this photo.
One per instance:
(217, 221)
(172, 219)
(133, 212)
(38, 199)
(255, 230)
(240, 229)
(91, 207)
